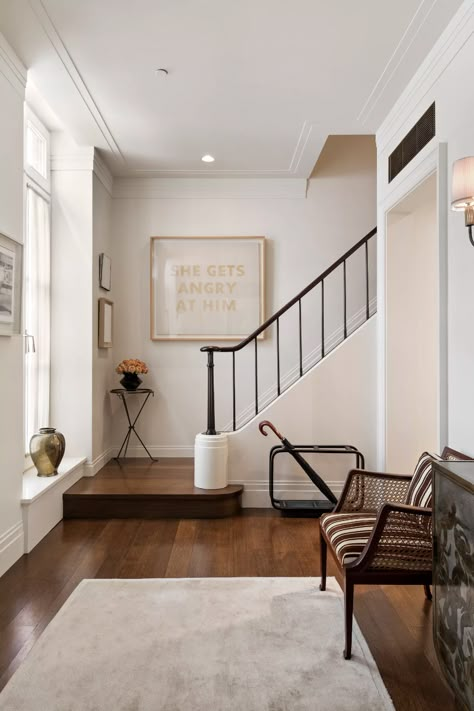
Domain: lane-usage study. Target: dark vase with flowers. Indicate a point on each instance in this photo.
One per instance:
(130, 381)
(130, 369)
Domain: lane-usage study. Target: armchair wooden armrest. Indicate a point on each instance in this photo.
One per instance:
(401, 540)
(366, 492)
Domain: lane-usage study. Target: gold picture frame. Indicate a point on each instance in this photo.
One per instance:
(206, 288)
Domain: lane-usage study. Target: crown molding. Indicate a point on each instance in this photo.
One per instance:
(409, 36)
(103, 173)
(307, 149)
(85, 158)
(11, 68)
(68, 64)
(225, 188)
(82, 159)
(455, 36)
(308, 146)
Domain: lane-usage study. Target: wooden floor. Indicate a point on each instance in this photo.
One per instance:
(139, 487)
(396, 621)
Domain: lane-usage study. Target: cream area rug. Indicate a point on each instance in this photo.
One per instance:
(209, 644)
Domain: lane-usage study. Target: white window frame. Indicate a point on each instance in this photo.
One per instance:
(39, 179)
(40, 184)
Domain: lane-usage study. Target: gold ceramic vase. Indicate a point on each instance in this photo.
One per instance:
(47, 450)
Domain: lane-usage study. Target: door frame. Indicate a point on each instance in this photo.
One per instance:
(429, 162)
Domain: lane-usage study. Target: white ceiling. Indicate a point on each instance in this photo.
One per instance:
(259, 84)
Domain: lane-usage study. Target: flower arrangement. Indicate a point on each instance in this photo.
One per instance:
(132, 365)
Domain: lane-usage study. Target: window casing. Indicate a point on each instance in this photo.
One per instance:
(37, 277)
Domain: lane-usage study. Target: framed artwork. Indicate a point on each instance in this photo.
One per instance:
(11, 270)
(105, 272)
(206, 288)
(106, 314)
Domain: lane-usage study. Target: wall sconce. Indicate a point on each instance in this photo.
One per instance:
(463, 190)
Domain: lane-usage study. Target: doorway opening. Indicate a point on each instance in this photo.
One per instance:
(412, 328)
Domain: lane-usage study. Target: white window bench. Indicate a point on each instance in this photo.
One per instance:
(42, 499)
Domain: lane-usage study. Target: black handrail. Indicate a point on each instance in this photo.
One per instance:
(210, 350)
(294, 300)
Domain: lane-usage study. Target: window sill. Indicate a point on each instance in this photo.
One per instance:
(35, 486)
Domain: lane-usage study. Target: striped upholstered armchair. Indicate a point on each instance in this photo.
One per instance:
(380, 531)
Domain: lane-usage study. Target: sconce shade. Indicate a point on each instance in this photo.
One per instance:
(462, 195)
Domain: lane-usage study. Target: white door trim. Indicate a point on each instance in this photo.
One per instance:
(426, 164)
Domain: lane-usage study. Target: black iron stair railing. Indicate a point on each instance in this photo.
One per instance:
(297, 300)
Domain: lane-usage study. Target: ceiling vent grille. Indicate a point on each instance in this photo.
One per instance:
(416, 139)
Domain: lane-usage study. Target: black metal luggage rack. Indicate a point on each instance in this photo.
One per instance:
(308, 507)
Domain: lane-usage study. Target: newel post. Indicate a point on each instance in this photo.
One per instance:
(210, 448)
(211, 412)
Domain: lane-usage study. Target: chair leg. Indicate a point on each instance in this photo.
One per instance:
(348, 613)
(428, 594)
(323, 550)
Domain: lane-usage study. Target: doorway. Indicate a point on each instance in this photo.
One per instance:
(412, 328)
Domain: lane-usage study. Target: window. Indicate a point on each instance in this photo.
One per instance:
(37, 142)
(37, 277)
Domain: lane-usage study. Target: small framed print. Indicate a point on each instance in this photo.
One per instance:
(11, 269)
(106, 314)
(105, 272)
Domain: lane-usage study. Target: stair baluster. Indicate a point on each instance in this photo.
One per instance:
(320, 280)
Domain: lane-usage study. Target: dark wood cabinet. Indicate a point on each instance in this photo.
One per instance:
(453, 576)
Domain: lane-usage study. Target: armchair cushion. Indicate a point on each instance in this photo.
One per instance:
(402, 537)
(419, 491)
(348, 534)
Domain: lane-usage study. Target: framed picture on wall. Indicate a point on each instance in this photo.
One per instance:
(11, 270)
(105, 272)
(106, 314)
(206, 288)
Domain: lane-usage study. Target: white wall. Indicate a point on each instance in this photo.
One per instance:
(81, 230)
(442, 78)
(103, 360)
(334, 403)
(304, 236)
(12, 88)
(71, 308)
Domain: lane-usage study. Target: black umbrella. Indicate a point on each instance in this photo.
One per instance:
(315, 478)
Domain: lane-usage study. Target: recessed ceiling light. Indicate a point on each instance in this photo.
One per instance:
(208, 159)
(161, 72)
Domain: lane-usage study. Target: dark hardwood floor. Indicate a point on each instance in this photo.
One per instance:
(396, 621)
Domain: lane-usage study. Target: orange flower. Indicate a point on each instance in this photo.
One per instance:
(132, 365)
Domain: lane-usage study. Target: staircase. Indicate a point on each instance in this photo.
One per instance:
(350, 319)
(139, 488)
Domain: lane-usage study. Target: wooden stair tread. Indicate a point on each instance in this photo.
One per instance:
(138, 487)
(146, 487)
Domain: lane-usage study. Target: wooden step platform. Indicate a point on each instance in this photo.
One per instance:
(140, 488)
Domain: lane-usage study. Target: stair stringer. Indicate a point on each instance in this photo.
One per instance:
(333, 403)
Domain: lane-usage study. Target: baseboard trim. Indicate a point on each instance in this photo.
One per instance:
(157, 450)
(91, 468)
(11, 546)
